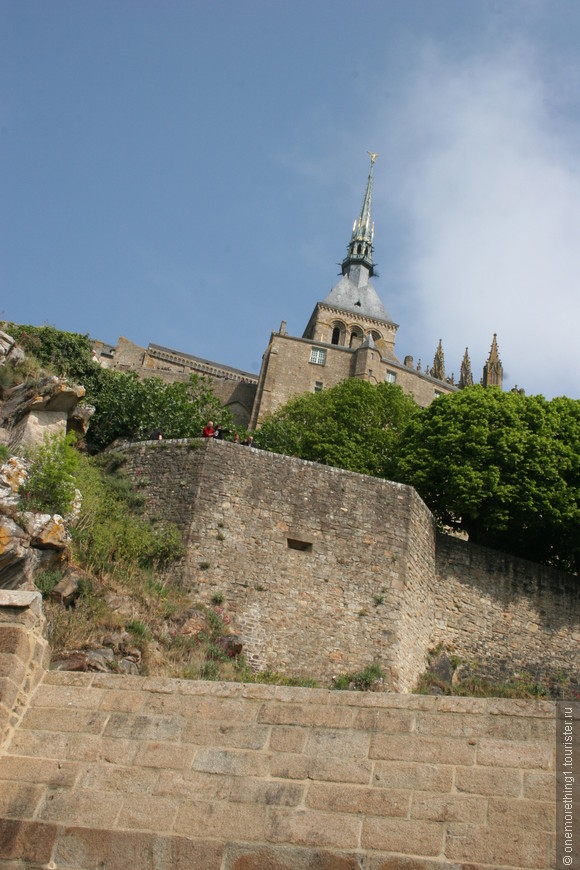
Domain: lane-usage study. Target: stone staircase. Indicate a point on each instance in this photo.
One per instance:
(117, 772)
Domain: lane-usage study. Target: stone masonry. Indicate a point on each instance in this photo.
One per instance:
(116, 772)
(315, 566)
(324, 571)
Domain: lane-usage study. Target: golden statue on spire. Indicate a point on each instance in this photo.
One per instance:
(373, 156)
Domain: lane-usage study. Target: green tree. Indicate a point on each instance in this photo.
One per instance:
(503, 467)
(127, 407)
(355, 425)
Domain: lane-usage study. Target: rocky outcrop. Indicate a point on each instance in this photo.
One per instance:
(37, 407)
(30, 542)
(9, 350)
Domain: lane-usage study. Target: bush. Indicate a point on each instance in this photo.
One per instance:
(45, 581)
(50, 485)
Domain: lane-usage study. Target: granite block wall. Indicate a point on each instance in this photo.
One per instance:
(121, 772)
(323, 571)
(507, 614)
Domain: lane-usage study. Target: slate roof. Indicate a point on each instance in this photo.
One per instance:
(362, 300)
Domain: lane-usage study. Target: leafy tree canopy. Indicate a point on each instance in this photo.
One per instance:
(355, 425)
(127, 407)
(502, 466)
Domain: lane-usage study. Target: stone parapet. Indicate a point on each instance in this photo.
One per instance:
(117, 772)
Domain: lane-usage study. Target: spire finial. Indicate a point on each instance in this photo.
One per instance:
(360, 248)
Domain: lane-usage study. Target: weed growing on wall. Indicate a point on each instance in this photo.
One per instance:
(370, 677)
(110, 535)
(449, 675)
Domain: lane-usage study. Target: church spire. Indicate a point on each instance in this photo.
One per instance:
(360, 247)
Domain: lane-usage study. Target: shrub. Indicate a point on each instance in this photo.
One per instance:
(45, 581)
(50, 485)
(108, 536)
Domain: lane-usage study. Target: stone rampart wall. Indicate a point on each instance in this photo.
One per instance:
(311, 563)
(507, 614)
(323, 571)
(116, 772)
(416, 611)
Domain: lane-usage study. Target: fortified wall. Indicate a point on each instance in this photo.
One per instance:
(117, 772)
(323, 571)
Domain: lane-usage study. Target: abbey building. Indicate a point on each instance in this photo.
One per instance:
(350, 334)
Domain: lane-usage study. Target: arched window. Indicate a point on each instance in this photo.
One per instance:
(359, 248)
(338, 332)
(356, 336)
(376, 336)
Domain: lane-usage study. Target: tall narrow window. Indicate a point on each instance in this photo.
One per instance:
(336, 335)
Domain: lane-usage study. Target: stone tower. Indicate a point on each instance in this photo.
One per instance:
(349, 335)
(493, 369)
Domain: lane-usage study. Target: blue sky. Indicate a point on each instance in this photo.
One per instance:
(188, 173)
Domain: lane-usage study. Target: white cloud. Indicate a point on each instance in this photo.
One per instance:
(490, 193)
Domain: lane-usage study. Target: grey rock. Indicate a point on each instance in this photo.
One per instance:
(442, 668)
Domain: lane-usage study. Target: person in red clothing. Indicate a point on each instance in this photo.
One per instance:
(208, 431)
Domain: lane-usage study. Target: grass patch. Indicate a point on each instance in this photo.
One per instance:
(361, 681)
(45, 581)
